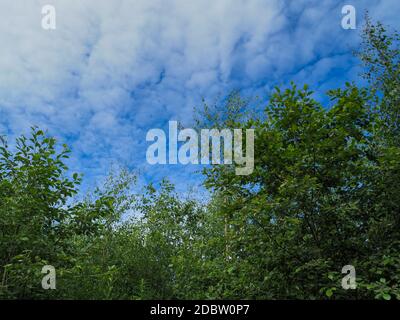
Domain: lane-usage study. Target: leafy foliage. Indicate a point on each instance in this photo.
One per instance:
(323, 195)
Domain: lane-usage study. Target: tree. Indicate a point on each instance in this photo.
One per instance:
(323, 194)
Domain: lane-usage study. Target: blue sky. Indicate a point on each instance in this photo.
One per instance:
(112, 70)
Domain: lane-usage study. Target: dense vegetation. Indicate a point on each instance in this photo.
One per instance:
(324, 193)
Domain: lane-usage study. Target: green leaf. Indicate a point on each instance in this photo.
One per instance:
(329, 293)
(386, 296)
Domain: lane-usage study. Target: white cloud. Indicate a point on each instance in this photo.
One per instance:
(114, 69)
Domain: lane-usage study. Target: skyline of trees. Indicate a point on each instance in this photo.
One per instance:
(323, 194)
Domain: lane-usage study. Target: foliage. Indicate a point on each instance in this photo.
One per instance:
(323, 195)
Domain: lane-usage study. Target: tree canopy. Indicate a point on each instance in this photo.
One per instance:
(324, 194)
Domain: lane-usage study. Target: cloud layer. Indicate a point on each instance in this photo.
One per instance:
(112, 70)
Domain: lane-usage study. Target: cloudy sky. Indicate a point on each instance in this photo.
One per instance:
(113, 69)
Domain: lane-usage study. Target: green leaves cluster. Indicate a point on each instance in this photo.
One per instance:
(324, 194)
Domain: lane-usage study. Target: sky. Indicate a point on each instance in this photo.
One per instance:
(113, 70)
